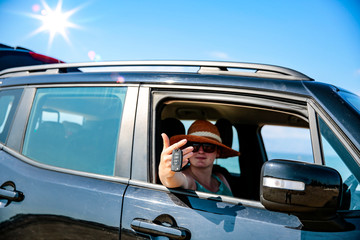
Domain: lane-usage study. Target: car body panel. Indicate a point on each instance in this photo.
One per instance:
(209, 218)
(132, 204)
(171, 79)
(87, 202)
(199, 215)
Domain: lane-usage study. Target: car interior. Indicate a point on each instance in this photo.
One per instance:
(239, 120)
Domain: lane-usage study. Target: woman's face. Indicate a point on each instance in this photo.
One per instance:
(204, 158)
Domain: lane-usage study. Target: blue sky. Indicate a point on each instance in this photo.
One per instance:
(320, 38)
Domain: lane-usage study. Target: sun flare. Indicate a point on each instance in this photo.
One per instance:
(54, 21)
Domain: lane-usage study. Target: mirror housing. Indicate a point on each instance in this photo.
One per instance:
(310, 192)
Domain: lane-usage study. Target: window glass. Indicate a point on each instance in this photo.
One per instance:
(289, 143)
(75, 128)
(232, 163)
(8, 103)
(337, 157)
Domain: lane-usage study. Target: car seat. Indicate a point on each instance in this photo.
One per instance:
(226, 132)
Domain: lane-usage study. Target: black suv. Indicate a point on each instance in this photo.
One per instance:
(19, 56)
(80, 152)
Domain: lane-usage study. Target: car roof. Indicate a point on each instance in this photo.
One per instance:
(272, 81)
(17, 48)
(209, 73)
(205, 67)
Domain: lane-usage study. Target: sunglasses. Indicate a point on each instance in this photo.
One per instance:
(207, 147)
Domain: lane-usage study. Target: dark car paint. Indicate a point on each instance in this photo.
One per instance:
(173, 79)
(206, 217)
(198, 214)
(101, 208)
(11, 57)
(76, 204)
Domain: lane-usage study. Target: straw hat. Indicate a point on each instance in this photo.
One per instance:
(202, 131)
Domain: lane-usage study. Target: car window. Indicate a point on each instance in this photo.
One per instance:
(8, 103)
(337, 157)
(291, 143)
(244, 121)
(75, 128)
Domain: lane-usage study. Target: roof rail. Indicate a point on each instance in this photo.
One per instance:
(205, 67)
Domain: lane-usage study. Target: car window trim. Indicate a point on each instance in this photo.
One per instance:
(17, 131)
(197, 194)
(315, 136)
(141, 169)
(246, 100)
(126, 134)
(34, 163)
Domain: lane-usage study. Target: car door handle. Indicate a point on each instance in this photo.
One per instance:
(8, 191)
(15, 196)
(149, 227)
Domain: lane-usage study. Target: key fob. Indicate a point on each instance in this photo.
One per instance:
(176, 160)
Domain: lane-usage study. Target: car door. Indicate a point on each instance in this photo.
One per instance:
(66, 162)
(151, 210)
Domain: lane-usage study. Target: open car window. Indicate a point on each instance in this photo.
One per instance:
(246, 122)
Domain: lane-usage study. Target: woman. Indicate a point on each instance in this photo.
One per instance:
(201, 146)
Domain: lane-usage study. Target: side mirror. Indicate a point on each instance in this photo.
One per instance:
(310, 192)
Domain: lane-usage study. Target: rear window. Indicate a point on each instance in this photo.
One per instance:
(76, 128)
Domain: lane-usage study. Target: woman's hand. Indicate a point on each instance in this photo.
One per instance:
(167, 177)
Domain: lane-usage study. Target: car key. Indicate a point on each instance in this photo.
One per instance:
(176, 160)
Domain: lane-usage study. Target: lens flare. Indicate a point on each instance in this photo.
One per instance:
(94, 56)
(91, 55)
(36, 8)
(118, 78)
(54, 21)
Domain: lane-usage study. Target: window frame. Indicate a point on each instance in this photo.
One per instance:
(292, 104)
(45, 137)
(315, 110)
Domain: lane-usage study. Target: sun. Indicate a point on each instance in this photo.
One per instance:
(54, 21)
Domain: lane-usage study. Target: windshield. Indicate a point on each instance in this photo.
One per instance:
(352, 99)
